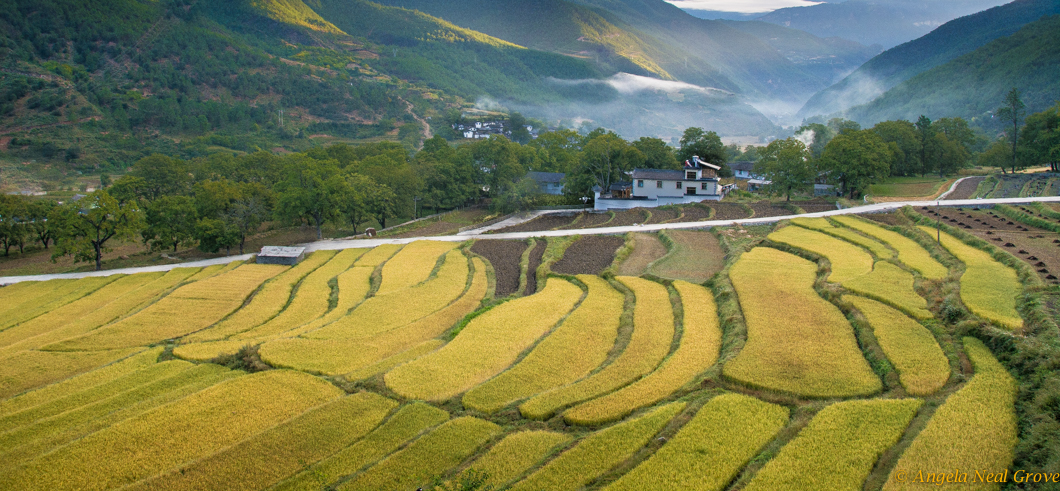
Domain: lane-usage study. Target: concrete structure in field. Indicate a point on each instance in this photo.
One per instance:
(697, 181)
(281, 255)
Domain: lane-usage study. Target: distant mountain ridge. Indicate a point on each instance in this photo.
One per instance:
(972, 86)
(887, 23)
(951, 40)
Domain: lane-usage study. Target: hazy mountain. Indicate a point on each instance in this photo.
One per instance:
(887, 23)
(973, 85)
(953, 39)
(828, 59)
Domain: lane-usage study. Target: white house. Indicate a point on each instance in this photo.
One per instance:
(697, 181)
(743, 169)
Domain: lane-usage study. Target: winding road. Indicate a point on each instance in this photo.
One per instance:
(324, 245)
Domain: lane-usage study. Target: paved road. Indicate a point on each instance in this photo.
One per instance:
(324, 245)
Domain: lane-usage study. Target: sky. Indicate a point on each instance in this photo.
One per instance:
(743, 6)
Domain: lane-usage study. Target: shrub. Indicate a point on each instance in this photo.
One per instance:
(796, 341)
(708, 452)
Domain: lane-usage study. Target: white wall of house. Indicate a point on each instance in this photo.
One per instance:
(655, 188)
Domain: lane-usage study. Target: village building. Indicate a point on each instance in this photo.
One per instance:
(697, 181)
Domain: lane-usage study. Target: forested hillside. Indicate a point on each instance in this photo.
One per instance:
(973, 86)
(949, 41)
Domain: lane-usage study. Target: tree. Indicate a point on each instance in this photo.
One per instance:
(162, 175)
(1040, 138)
(13, 218)
(382, 204)
(786, 164)
(856, 159)
(1012, 111)
(707, 146)
(926, 134)
(311, 189)
(816, 136)
(170, 223)
(214, 234)
(356, 207)
(904, 141)
(84, 227)
(38, 212)
(607, 157)
(657, 154)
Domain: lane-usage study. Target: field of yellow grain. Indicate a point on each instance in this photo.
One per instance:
(796, 341)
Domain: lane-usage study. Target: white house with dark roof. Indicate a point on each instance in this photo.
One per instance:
(697, 181)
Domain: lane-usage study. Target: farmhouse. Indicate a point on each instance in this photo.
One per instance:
(288, 256)
(697, 181)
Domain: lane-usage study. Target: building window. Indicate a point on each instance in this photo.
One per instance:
(703, 186)
(678, 184)
(640, 183)
(690, 175)
(658, 184)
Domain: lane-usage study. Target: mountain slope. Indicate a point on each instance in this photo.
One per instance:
(870, 22)
(953, 39)
(828, 59)
(973, 85)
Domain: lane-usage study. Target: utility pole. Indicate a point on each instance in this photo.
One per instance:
(938, 224)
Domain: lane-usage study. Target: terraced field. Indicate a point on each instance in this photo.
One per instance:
(714, 361)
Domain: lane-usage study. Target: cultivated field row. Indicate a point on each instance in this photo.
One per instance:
(804, 358)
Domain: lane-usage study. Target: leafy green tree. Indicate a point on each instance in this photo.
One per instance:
(1012, 111)
(383, 204)
(162, 176)
(607, 158)
(247, 213)
(357, 204)
(557, 151)
(38, 212)
(926, 135)
(786, 164)
(707, 146)
(904, 141)
(856, 159)
(170, 223)
(518, 197)
(1040, 138)
(311, 189)
(948, 155)
(517, 125)
(818, 136)
(215, 234)
(499, 162)
(13, 220)
(84, 227)
(657, 154)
